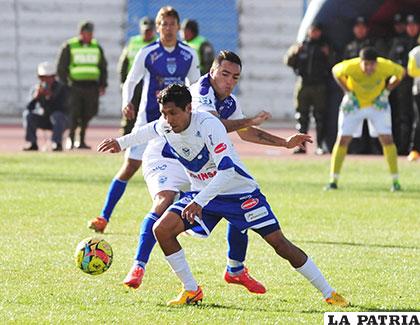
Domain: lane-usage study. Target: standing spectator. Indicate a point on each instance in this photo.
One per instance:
(400, 98)
(366, 82)
(365, 144)
(47, 109)
(311, 61)
(205, 51)
(82, 66)
(135, 43)
(413, 70)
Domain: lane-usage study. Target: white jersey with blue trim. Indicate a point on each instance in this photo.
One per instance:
(204, 99)
(159, 67)
(206, 153)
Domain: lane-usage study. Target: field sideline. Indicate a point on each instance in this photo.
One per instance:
(364, 238)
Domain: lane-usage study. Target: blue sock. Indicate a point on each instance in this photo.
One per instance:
(237, 246)
(146, 239)
(115, 191)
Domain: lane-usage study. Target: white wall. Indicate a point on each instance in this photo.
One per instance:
(267, 29)
(32, 31)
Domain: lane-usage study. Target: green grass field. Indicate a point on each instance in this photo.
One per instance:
(365, 239)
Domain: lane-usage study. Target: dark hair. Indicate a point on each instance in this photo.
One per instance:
(190, 24)
(177, 94)
(368, 53)
(228, 56)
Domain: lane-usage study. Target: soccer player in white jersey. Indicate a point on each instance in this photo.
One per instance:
(220, 183)
(165, 177)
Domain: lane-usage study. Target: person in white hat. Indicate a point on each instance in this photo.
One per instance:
(47, 109)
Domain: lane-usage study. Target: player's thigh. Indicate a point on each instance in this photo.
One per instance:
(164, 175)
(169, 225)
(380, 121)
(200, 228)
(349, 124)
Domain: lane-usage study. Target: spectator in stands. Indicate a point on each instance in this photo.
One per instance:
(311, 61)
(48, 109)
(205, 51)
(135, 43)
(365, 144)
(413, 70)
(400, 98)
(82, 66)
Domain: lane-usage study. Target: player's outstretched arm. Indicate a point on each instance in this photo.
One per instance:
(235, 125)
(256, 135)
(109, 145)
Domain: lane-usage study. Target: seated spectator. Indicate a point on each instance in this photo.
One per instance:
(47, 109)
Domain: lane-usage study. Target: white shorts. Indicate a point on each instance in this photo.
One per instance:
(165, 174)
(351, 123)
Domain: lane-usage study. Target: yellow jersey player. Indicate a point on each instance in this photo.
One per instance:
(366, 81)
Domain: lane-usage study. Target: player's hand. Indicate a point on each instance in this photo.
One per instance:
(129, 112)
(191, 210)
(101, 91)
(260, 117)
(109, 145)
(298, 140)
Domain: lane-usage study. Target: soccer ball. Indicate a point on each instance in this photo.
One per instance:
(93, 256)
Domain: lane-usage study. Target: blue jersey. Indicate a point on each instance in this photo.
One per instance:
(205, 99)
(159, 67)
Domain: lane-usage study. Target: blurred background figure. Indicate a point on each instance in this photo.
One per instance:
(311, 61)
(205, 50)
(135, 43)
(400, 97)
(48, 109)
(82, 66)
(413, 70)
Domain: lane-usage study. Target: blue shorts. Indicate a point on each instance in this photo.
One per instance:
(244, 211)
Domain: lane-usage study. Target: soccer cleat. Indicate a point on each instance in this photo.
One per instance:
(134, 277)
(395, 186)
(413, 156)
(246, 280)
(98, 224)
(331, 186)
(187, 298)
(337, 300)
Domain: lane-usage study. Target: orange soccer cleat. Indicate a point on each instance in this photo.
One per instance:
(187, 298)
(98, 224)
(246, 280)
(337, 300)
(134, 277)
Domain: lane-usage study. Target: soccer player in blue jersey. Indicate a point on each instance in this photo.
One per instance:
(159, 64)
(221, 188)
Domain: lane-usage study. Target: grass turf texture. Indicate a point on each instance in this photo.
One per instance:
(364, 238)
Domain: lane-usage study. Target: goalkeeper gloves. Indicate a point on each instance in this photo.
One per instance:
(381, 102)
(349, 103)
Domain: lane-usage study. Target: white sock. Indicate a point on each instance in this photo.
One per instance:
(311, 272)
(180, 267)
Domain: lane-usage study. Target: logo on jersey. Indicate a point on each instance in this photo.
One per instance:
(198, 134)
(204, 100)
(211, 139)
(171, 65)
(220, 148)
(249, 204)
(256, 214)
(186, 151)
(162, 179)
(186, 55)
(203, 176)
(154, 56)
(160, 167)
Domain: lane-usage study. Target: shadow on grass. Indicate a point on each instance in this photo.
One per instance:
(248, 308)
(357, 244)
